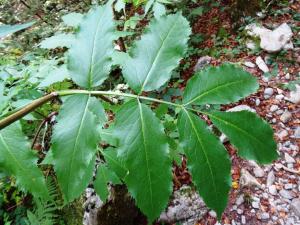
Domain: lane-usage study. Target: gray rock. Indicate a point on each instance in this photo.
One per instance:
(262, 65)
(273, 190)
(270, 178)
(288, 158)
(255, 205)
(272, 41)
(286, 194)
(241, 108)
(243, 219)
(279, 97)
(295, 96)
(297, 132)
(247, 180)
(286, 117)
(265, 216)
(274, 108)
(257, 102)
(268, 93)
(239, 200)
(288, 186)
(249, 64)
(258, 172)
(202, 62)
(295, 206)
(282, 134)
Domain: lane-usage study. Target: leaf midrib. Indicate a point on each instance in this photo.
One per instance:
(213, 89)
(146, 154)
(76, 141)
(206, 157)
(157, 56)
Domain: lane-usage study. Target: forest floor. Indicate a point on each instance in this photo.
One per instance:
(261, 194)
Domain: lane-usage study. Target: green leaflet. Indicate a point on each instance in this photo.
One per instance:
(74, 143)
(89, 56)
(103, 177)
(10, 29)
(143, 147)
(219, 85)
(115, 163)
(58, 41)
(252, 136)
(207, 161)
(159, 51)
(17, 159)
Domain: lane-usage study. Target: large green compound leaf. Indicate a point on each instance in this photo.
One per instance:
(219, 85)
(143, 147)
(89, 55)
(252, 136)
(74, 143)
(17, 159)
(159, 51)
(207, 161)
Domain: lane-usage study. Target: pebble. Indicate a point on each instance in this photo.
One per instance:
(202, 62)
(283, 134)
(274, 108)
(255, 205)
(273, 190)
(243, 219)
(270, 178)
(279, 97)
(212, 213)
(249, 64)
(286, 117)
(240, 211)
(295, 206)
(258, 172)
(288, 158)
(288, 186)
(262, 65)
(279, 112)
(239, 200)
(265, 216)
(257, 102)
(297, 133)
(268, 93)
(286, 194)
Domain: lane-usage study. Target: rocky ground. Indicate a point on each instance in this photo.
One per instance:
(261, 194)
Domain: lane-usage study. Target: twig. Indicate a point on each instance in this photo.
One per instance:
(27, 109)
(47, 119)
(36, 13)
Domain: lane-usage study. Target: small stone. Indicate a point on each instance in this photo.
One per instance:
(297, 133)
(247, 180)
(279, 97)
(279, 112)
(202, 62)
(295, 95)
(212, 213)
(295, 206)
(270, 178)
(268, 93)
(239, 211)
(282, 134)
(288, 76)
(286, 194)
(265, 216)
(273, 190)
(243, 219)
(262, 65)
(257, 102)
(274, 108)
(255, 205)
(288, 186)
(241, 108)
(249, 64)
(288, 158)
(239, 200)
(258, 172)
(286, 117)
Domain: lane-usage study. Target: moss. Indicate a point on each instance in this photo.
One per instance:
(72, 214)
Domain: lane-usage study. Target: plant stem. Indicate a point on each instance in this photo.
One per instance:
(38, 102)
(27, 109)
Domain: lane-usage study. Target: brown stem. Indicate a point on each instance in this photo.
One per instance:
(47, 119)
(36, 13)
(27, 109)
